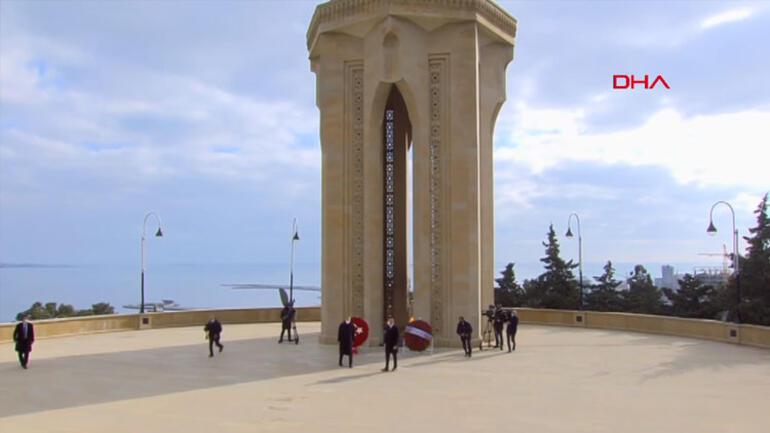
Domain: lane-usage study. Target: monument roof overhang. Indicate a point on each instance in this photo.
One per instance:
(356, 17)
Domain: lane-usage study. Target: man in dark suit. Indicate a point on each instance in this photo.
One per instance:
(464, 330)
(345, 337)
(24, 336)
(498, 325)
(213, 329)
(391, 344)
(510, 330)
(287, 318)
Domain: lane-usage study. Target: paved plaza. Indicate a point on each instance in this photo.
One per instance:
(560, 380)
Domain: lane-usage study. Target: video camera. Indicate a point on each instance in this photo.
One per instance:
(490, 313)
(493, 313)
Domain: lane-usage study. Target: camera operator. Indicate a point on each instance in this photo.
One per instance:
(464, 330)
(499, 321)
(510, 330)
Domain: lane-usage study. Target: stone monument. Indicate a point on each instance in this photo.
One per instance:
(395, 75)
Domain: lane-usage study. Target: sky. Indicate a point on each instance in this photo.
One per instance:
(204, 112)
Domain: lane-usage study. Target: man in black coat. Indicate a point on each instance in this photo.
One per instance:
(345, 336)
(391, 344)
(213, 329)
(287, 318)
(464, 330)
(24, 336)
(498, 325)
(510, 330)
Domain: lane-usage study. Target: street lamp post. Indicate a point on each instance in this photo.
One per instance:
(580, 254)
(294, 237)
(159, 233)
(712, 230)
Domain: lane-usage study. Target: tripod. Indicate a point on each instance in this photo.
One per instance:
(294, 328)
(486, 335)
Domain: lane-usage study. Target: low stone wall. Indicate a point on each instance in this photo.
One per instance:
(75, 325)
(129, 322)
(749, 335)
(244, 315)
(757, 336)
(547, 317)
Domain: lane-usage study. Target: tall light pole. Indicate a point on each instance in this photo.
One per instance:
(712, 230)
(294, 237)
(159, 233)
(580, 254)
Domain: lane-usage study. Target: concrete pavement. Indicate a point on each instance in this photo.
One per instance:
(560, 380)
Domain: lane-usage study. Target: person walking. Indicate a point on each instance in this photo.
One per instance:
(498, 325)
(510, 330)
(391, 344)
(287, 318)
(464, 330)
(345, 336)
(24, 336)
(213, 330)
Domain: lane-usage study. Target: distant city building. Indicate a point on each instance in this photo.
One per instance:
(714, 276)
(668, 279)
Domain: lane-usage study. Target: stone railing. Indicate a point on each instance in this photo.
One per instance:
(749, 335)
(131, 322)
(75, 325)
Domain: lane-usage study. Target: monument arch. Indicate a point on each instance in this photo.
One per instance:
(395, 74)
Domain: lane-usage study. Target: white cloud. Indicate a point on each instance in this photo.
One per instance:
(673, 31)
(746, 203)
(728, 149)
(726, 17)
(166, 125)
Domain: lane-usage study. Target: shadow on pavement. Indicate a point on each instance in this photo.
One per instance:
(57, 383)
(700, 355)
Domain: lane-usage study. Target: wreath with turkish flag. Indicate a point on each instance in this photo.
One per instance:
(362, 331)
(418, 335)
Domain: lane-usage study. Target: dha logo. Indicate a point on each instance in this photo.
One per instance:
(630, 82)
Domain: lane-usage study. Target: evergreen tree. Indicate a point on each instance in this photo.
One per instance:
(65, 310)
(642, 297)
(532, 293)
(693, 299)
(51, 310)
(605, 296)
(755, 271)
(508, 293)
(35, 312)
(727, 295)
(102, 308)
(557, 287)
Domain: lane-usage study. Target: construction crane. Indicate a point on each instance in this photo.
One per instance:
(726, 257)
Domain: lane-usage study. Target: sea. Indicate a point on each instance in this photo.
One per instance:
(193, 285)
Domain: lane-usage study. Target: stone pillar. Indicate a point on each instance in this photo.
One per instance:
(447, 58)
(494, 56)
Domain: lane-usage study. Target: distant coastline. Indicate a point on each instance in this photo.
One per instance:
(192, 285)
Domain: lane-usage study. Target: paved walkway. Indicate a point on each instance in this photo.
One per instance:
(560, 380)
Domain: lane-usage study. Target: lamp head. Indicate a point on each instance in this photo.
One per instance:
(159, 233)
(711, 230)
(569, 232)
(295, 237)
